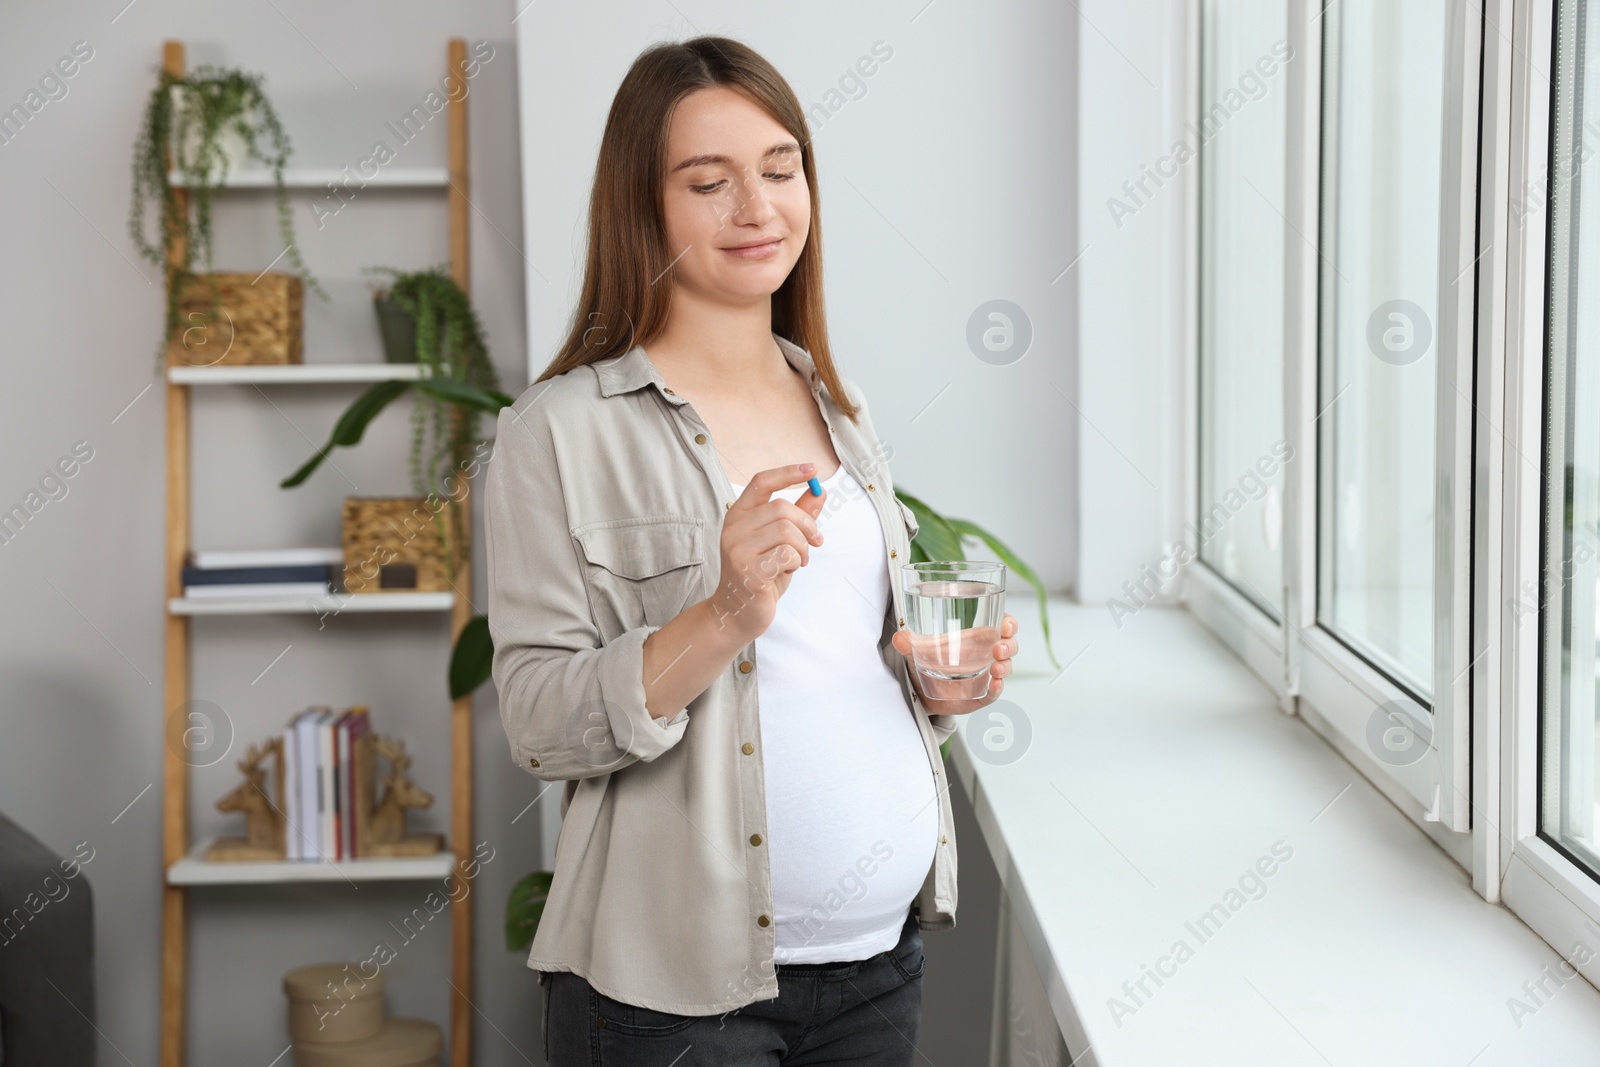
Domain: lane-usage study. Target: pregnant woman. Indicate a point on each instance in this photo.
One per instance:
(711, 655)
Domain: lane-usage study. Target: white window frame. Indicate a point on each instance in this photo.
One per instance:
(1339, 684)
(1253, 635)
(1552, 894)
(1316, 674)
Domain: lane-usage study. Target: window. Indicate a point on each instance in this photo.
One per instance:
(1241, 127)
(1337, 270)
(1440, 369)
(1381, 195)
(1570, 567)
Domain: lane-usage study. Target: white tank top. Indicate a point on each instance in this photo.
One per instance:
(852, 821)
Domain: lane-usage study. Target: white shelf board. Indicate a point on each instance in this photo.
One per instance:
(194, 870)
(319, 177)
(295, 374)
(333, 603)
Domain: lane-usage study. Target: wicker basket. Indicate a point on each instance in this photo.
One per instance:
(393, 544)
(257, 320)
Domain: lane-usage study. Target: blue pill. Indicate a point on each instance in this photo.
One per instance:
(816, 487)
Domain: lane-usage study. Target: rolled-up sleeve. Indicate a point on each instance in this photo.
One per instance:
(571, 707)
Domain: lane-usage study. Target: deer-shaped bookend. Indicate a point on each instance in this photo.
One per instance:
(261, 800)
(381, 822)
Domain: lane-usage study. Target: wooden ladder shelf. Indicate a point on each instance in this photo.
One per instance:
(176, 845)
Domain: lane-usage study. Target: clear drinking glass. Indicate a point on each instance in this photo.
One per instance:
(953, 610)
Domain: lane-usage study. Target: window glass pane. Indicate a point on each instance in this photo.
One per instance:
(1572, 455)
(1241, 134)
(1382, 130)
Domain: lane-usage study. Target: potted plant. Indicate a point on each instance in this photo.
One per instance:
(416, 296)
(458, 385)
(201, 126)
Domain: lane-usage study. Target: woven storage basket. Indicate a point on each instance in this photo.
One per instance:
(393, 544)
(257, 320)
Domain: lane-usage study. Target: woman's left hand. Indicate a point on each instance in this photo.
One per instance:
(929, 688)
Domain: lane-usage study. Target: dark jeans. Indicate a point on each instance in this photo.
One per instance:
(862, 1012)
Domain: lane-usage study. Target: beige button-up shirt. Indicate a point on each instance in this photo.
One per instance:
(603, 511)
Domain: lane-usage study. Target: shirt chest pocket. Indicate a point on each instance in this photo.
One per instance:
(641, 572)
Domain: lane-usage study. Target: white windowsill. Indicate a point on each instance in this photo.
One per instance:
(1159, 771)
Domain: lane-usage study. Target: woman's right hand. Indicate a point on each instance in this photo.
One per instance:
(763, 542)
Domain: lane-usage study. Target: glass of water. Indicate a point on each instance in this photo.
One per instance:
(953, 610)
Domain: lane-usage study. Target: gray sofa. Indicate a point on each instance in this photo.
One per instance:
(47, 1006)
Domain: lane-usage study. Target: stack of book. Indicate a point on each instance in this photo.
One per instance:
(261, 573)
(319, 798)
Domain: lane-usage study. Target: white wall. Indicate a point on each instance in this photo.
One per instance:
(1131, 81)
(81, 704)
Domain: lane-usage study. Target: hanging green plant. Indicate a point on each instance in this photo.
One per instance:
(201, 126)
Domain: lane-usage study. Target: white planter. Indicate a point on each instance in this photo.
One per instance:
(234, 148)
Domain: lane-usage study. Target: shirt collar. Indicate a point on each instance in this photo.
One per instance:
(633, 370)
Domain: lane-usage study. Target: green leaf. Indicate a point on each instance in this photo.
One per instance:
(1015, 563)
(473, 657)
(936, 538)
(468, 396)
(525, 907)
(351, 425)
(939, 538)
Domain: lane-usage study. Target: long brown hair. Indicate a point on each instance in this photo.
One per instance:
(621, 305)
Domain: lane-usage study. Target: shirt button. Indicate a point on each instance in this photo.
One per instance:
(893, 553)
(762, 920)
(532, 762)
(941, 839)
(669, 392)
(755, 839)
(727, 504)
(699, 438)
(871, 487)
(745, 667)
(747, 748)
(902, 620)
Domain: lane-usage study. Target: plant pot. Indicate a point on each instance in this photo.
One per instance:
(399, 329)
(233, 147)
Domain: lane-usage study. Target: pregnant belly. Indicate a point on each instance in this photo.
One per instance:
(853, 822)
